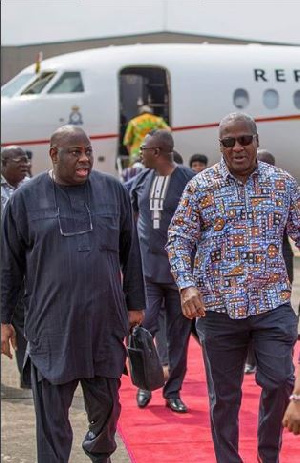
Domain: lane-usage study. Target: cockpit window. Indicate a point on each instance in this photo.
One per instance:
(69, 82)
(14, 86)
(39, 83)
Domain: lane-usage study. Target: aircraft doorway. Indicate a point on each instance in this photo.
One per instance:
(140, 85)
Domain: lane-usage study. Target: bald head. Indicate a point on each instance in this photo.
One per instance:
(66, 131)
(265, 156)
(71, 154)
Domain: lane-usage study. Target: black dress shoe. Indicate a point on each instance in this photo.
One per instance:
(143, 397)
(176, 405)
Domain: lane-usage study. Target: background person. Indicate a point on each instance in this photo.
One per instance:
(70, 233)
(155, 195)
(265, 156)
(177, 157)
(239, 285)
(198, 162)
(14, 171)
(161, 334)
(130, 172)
(138, 127)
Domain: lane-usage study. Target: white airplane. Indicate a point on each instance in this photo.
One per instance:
(193, 86)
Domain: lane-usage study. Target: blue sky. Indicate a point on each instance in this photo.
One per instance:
(33, 21)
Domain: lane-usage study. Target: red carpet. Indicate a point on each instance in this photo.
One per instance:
(156, 434)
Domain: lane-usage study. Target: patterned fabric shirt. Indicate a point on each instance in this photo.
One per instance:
(237, 232)
(138, 128)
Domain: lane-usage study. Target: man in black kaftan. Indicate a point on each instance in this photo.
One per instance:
(70, 232)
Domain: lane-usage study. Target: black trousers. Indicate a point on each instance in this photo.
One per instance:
(53, 429)
(178, 329)
(161, 338)
(225, 346)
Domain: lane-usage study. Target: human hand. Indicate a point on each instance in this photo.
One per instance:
(291, 419)
(8, 337)
(135, 317)
(191, 302)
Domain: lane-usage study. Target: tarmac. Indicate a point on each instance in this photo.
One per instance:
(18, 419)
(18, 422)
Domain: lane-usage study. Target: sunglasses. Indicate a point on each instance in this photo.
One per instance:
(74, 233)
(244, 140)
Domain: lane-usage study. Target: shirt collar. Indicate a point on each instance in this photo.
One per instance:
(227, 174)
(5, 183)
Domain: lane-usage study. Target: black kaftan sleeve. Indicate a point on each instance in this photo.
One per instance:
(130, 257)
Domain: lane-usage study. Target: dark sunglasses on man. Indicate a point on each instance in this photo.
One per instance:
(244, 140)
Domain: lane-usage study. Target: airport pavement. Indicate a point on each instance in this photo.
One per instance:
(18, 422)
(17, 413)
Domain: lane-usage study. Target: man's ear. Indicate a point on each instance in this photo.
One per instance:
(53, 153)
(257, 141)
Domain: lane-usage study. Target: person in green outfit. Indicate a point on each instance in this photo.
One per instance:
(139, 127)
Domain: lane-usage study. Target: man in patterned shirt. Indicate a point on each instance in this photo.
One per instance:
(234, 214)
(139, 127)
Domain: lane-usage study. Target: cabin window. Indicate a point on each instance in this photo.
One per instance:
(13, 87)
(240, 98)
(271, 98)
(297, 99)
(69, 82)
(39, 83)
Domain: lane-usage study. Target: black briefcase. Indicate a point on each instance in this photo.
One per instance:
(146, 371)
